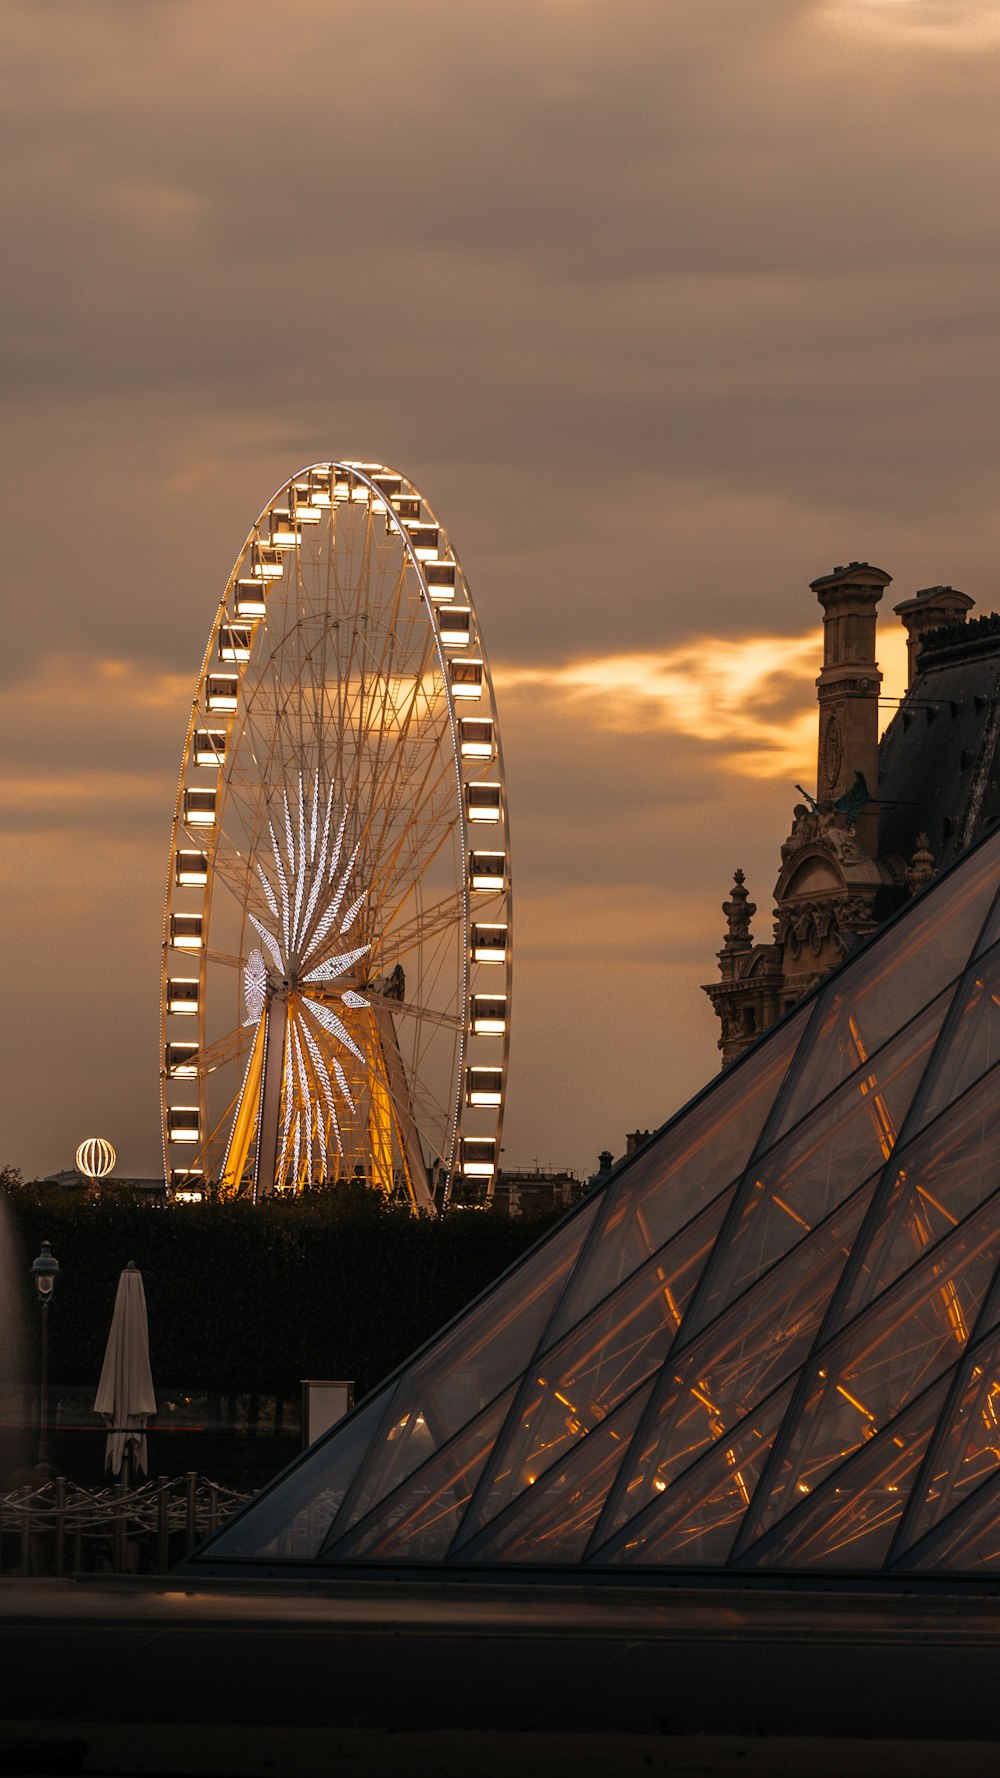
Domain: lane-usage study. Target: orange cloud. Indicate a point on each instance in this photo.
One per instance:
(100, 726)
(921, 24)
(751, 698)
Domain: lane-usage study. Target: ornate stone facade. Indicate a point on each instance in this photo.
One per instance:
(885, 815)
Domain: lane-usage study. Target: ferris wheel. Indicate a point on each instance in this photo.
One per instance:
(337, 942)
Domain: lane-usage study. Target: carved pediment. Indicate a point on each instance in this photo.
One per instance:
(814, 874)
(821, 856)
(765, 960)
(822, 871)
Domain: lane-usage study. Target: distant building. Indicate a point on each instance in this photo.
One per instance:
(72, 1179)
(522, 1193)
(635, 1139)
(605, 1164)
(886, 816)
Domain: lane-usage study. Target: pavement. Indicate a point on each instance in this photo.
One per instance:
(228, 1678)
(167, 1750)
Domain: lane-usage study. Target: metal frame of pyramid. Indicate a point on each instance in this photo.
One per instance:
(769, 1342)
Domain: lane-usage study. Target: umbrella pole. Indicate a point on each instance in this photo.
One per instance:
(121, 1541)
(118, 1543)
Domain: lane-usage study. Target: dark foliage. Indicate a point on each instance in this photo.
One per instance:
(337, 1284)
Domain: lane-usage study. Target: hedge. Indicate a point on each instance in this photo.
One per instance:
(254, 1298)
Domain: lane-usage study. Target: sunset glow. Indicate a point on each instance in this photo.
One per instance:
(955, 25)
(704, 305)
(750, 699)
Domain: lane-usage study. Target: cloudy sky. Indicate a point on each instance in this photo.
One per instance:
(668, 305)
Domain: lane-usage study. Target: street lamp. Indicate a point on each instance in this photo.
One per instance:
(44, 1270)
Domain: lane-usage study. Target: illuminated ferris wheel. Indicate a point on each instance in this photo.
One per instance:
(337, 943)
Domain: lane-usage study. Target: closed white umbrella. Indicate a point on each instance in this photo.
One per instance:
(125, 1392)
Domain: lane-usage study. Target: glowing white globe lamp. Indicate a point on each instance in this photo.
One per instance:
(95, 1158)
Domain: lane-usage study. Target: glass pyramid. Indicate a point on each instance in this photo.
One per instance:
(770, 1341)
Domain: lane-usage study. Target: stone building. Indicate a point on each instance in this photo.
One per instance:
(71, 1179)
(887, 814)
(531, 1190)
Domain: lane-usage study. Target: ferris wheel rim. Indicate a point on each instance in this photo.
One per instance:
(377, 500)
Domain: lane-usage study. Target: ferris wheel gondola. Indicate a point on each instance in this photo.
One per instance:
(337, 944)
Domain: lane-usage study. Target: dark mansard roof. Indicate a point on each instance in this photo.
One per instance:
(939, 766)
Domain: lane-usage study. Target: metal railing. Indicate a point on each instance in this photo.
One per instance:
(56, 1528)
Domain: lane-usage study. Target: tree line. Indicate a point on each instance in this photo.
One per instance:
(241, 1297)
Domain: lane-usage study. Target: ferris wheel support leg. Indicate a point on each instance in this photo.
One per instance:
(416, 1168)
(380, 1123)
(241, 1136)
(265, 1159)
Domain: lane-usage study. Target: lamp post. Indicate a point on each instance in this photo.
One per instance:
(44, 1270)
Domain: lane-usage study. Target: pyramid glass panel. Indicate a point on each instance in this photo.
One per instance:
(859, 1382)
(418, 1522)
(553, 1520)
(912, 961)
(966, 1451)
(990, 934)
(821, 1162)
(462, 1373)
(937, 1180)
(974, 1045)
(713, 1386)
(289, 1521)
(849, 1522)
(696, 1519)
(769, 1343)
(968, 1540)
(575, 1385)
(669, 1182)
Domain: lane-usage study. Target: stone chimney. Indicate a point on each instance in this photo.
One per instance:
(930, 609)
(848, 689)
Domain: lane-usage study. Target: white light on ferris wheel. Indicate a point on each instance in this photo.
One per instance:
(254, 986)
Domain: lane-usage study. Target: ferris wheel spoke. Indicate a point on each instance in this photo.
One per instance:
(430, 1112)
(406, 887)
(418, 798)
(233, 1046)
(407, 935)
(410, 1009)
(437, 774)
(383, 873)
(390, 886)
(375, 714)
(231, 870)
